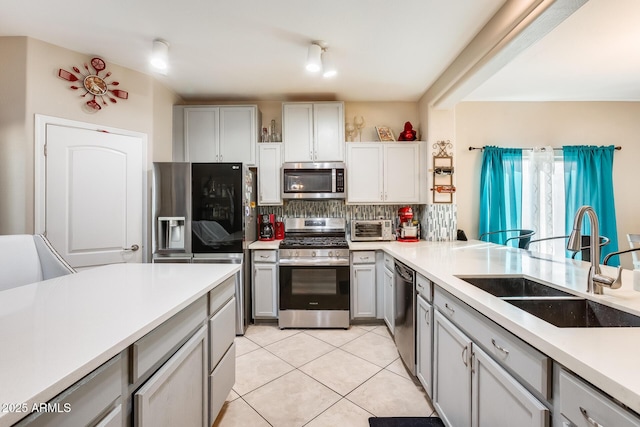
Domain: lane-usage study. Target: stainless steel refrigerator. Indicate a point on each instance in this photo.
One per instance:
(205, 213)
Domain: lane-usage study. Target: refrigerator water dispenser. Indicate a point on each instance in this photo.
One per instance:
(171, 233)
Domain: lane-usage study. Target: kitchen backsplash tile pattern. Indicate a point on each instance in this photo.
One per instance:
(335, 209)
(439, 222)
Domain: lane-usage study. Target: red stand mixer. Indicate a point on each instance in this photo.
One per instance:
(408, 230)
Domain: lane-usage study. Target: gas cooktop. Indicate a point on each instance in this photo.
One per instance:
(314, 233)
(313, 242)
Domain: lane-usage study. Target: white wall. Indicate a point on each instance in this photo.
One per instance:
(32, 86)
(529, 124)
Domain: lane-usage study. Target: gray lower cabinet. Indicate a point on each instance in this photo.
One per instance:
(95, 400)
(177, 393)
(451, 373)
(470, 388)
(363, 284)
(222, 351)
(265, 284)
(497, 399)
(389, 293)
(424, 343)
(580, 404)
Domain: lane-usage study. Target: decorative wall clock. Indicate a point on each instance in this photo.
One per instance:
(94, 85)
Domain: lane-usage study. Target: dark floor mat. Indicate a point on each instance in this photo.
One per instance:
(405, 422)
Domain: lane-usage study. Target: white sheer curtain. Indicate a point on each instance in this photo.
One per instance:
(543, 198)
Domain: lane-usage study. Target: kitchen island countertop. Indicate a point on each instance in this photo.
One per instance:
(606, 357)
(55, 332)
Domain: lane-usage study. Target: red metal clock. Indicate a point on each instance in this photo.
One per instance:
(94, 85)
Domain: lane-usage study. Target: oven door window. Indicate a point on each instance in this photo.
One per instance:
(314, 288)
(308, 181)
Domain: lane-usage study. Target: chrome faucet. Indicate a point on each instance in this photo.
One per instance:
(596, 279)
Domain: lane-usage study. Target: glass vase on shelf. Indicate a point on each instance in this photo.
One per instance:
(350, 130)
(265, 135)
(359, 122)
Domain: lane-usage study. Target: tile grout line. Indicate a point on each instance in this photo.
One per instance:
(334, 347)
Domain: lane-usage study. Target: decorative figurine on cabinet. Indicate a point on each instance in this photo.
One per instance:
(408, 134)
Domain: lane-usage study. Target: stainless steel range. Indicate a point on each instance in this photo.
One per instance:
(314, 274)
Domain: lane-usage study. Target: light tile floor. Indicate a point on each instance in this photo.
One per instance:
(319, 378)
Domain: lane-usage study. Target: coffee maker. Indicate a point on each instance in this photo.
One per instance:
(266, 227)
(408, 229)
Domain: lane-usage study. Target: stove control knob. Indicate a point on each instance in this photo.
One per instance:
(313, 253)
(330, 253)
(297, 253)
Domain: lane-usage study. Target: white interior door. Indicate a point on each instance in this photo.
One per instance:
(94, 190)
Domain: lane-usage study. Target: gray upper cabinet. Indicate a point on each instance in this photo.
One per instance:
(216, 133)
(313, 132)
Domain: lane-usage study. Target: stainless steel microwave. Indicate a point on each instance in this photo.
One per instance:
(370, 230)
(308, 180)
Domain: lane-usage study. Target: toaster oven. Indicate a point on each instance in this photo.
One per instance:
(370, 230)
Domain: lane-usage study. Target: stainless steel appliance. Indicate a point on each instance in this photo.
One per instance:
(307, 180)
(405, 318)
(205, 213)
(370, 230)
(314, 274)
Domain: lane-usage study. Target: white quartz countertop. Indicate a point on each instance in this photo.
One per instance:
(265, 244)
(609, 358)
(54, 332)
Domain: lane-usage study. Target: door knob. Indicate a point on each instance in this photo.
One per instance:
(133, 248)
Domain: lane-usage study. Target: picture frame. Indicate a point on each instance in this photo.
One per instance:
(385, 134)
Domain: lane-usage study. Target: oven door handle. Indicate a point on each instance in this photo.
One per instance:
(313, 262)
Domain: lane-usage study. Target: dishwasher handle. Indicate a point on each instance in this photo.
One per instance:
(405, 272)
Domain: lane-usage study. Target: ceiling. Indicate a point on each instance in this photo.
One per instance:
(384, 50)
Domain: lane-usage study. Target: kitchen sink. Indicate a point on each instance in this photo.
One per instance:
(575, 312)
(516, 286)
(554, 306)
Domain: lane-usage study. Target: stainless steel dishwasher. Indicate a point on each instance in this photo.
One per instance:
(405, 318)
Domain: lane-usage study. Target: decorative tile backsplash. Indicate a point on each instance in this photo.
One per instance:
(335, 209)
(439, 222)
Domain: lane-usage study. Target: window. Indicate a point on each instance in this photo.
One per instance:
(543, 201)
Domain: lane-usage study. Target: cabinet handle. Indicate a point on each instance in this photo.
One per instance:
(464, 356)
(362, 258)
(381, 198)
(385, 196)
(426, 316)
(473, 362)
(446, 305)
(311, 154)
(220, 157)
(502, 349)
(590, 420)
(264, 256)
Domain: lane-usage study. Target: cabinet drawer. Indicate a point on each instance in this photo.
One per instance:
(222, 331)
(583, 405)
(363, 257)
(388, 262)
(423, 286)
(221, 381)
(219, 295)
(176, 394)
(519, 358)
(265, 256)
(156, 345)
(112, 419)
(84, 401)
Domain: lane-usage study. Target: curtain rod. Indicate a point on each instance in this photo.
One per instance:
(529, 148)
